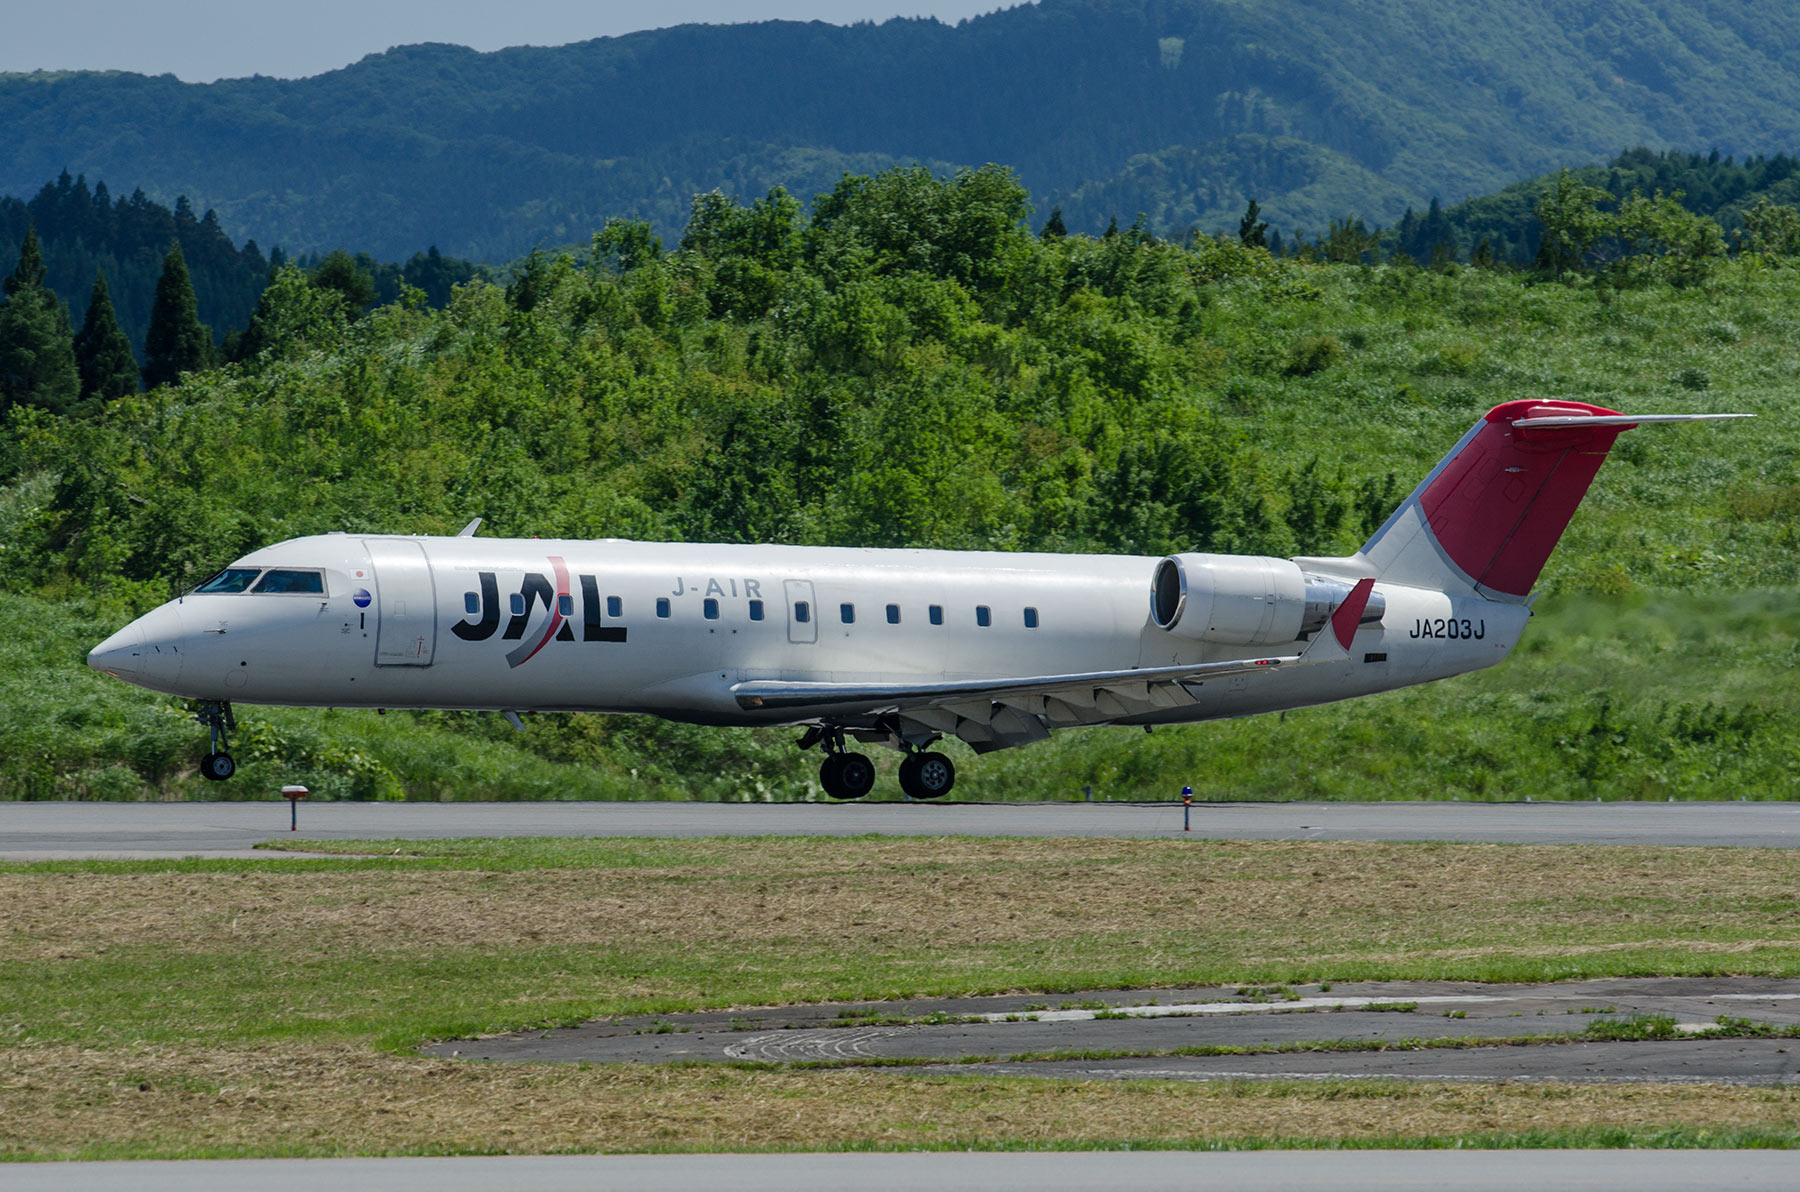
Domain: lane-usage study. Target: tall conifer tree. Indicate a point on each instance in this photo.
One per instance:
(177, 341)
(102, 353)
(37, 355)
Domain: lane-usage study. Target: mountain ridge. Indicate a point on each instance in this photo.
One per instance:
(1317, 109)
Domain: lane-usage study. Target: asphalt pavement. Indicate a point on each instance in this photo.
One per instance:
(47, 831)
(1359, 1030)
(1113, 1171)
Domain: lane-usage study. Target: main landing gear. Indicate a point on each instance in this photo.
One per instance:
(846, 775)
(927, 775)
(215, 714)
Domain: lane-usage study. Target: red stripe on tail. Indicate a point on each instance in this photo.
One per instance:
(1500, 505)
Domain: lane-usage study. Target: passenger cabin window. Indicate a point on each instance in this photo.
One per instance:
(232, 579)
(937, 614)
(847, 613)
(518, 604)
(893, 614)
(1031, 618)
(709, 608)
(472, 603)
(983, 616)
(614, 607)
(565, 604)
(291, 583)
(802, 612)
(662, 606)
(756, 610)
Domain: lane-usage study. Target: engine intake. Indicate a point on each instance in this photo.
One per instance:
(1245, 600)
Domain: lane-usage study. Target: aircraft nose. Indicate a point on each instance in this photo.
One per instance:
(120, 655)
(146, 652)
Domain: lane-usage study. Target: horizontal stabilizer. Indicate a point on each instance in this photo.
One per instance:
(1620, 419)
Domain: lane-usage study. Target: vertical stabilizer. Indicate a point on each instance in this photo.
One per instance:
(1490, 513)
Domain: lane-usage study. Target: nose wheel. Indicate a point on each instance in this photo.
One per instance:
(218, 766)
(215, 714)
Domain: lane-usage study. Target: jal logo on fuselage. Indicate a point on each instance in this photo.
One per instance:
(552, 592)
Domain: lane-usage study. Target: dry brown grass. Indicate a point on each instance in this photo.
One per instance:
(342, 1099)
(163, 967)
(1255, 900)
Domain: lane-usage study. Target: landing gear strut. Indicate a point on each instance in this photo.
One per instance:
(844, 775)
(215, 714)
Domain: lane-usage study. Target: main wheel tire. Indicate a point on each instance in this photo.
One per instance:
(927, 775)
(857, 774)
(846, 775)
(829, 775)
(217, 767)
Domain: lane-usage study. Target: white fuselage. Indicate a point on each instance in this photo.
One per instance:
(669, 628)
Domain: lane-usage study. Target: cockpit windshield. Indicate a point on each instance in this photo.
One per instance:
(291, 583)
(232, 579)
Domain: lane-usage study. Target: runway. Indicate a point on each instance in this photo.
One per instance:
(1136, 1171)
(1412, 1030)
(52, 831)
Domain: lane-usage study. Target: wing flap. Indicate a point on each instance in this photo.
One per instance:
(973, 698)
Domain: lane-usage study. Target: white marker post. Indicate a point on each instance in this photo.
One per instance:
(293, 794)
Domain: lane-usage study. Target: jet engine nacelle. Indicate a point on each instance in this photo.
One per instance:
(1239, 600)
(1245, 600)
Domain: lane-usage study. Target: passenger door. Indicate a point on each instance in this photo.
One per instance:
(406, 602)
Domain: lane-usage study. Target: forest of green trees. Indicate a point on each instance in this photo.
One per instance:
(917, 360)
(86, 235)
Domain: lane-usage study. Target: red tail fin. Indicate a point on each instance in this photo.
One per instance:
(1499, 505)
(1491, 512)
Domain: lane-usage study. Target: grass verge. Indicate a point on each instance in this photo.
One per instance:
(158, 1009)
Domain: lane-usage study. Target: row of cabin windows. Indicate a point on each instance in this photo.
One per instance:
(709, 608)
(984, 616)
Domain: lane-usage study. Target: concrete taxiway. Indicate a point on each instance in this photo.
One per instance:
(48, 831)
(1143, 1034)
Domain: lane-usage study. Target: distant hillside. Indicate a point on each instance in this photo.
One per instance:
(1178, 108)
(1708, 184)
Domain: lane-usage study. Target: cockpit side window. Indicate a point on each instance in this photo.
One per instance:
(232, 579)
(291, 583)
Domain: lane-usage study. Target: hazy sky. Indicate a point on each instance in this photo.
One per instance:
(203, 40)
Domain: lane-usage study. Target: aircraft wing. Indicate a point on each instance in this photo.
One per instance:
(995, 713)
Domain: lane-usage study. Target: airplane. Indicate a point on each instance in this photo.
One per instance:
(892, 647)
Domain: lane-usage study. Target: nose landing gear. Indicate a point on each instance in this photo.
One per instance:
(215, 714)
